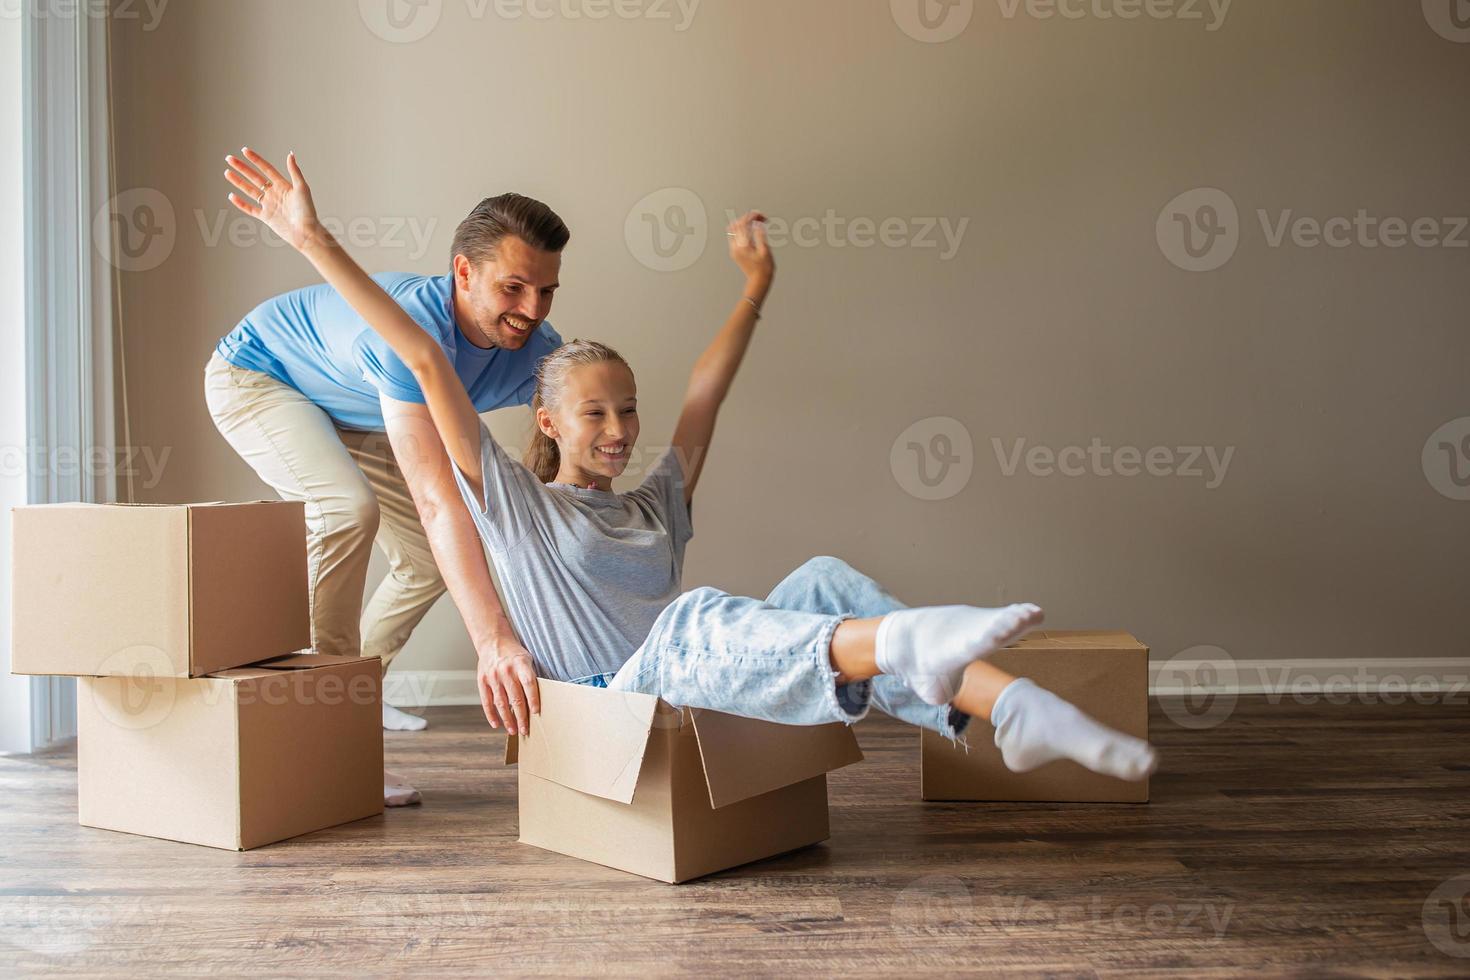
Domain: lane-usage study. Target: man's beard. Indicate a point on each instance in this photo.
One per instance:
(505, 335)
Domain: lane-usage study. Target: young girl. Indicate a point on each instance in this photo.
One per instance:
(591, 577)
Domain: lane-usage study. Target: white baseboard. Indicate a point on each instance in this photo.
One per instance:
(429, 688)
(1387, 678)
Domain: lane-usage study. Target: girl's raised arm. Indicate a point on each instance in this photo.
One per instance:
(284, 203)
(710, 380)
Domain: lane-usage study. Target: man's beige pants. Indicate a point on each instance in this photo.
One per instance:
(354, 494)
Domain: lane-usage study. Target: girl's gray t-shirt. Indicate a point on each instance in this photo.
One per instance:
(583, 573)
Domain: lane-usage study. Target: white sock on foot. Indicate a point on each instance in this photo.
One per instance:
(928, 648)
(1033, 727)
(401, 721)
(397, 791)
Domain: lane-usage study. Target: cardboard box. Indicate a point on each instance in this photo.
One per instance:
(628, 781)
(164, 591)
(235, 760)
(1104, 673)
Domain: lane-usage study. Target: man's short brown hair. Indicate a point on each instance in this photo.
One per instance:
(480, 234)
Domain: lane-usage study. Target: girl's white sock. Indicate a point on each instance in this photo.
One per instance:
(1033, 727)
(928, 648)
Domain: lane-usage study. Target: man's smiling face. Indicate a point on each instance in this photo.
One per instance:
(506, 296)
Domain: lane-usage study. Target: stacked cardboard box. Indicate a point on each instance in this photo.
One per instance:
(197, 719)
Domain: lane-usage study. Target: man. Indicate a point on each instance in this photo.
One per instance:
(325, 413)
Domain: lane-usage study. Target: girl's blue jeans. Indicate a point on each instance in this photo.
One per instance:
(770, 659)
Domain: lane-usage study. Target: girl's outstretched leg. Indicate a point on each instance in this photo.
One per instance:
(1033, 726)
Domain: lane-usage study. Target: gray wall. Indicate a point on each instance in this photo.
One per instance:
(1063, 316)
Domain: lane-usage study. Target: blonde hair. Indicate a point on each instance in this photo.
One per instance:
(542, 456)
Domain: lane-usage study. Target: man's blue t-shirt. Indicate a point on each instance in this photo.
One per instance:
(312, 340)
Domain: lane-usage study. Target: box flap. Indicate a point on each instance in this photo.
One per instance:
(744, 757)
(295, 661)
(588, 739)
(306, 661)
(1080, 639)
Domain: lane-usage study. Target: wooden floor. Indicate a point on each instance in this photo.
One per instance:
(1292, 839)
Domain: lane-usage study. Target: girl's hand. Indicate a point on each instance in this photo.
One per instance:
(284, 204)
(749, 248)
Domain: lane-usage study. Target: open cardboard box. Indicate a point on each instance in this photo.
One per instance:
(628, 781)
(1105, 673)
(235, 760)
(168, 590)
